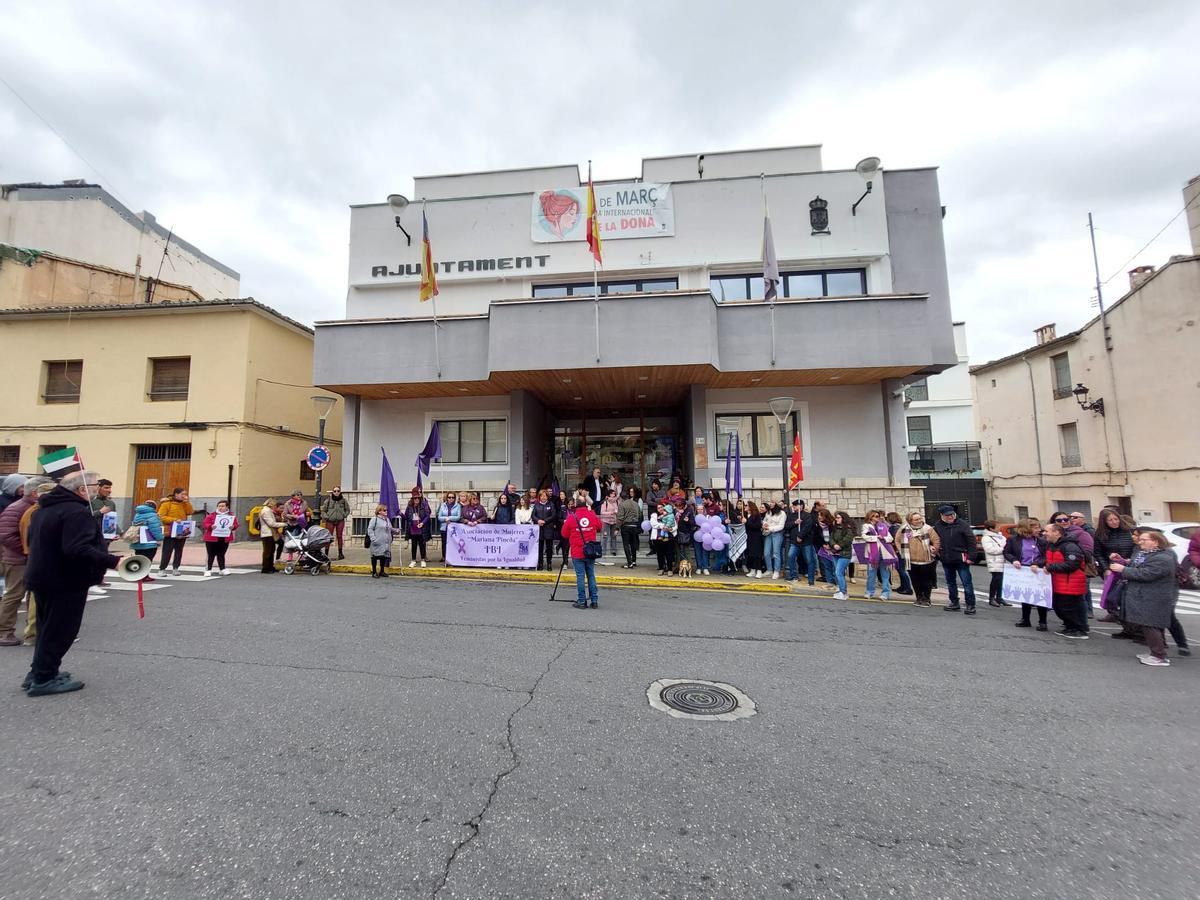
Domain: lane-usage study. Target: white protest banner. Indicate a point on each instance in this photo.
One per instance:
(109, 529)
(223, 525)
(631, 210)
(1027, 585)
(183, 529)
(492, 546)
(144, 536)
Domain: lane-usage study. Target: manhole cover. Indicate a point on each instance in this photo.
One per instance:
(686, 698)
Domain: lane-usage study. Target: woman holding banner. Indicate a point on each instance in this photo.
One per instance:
(1026, 547)
(545, 516)
(219, 527)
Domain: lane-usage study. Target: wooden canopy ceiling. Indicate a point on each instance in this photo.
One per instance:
(623, 386)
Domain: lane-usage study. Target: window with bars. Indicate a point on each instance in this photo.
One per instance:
(1068, 440)
(62, 380)
(10, 460)
(474, 440)
(307, 474)
(918, 390)
(920, 431)
(758, 434)
(169, 378)
(164, 452)
(1061, 367)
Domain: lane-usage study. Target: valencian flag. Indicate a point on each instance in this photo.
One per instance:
(431, 451)
(429, 286)
(60, 463)
(387, 488)
(593, 224)
(796, 469)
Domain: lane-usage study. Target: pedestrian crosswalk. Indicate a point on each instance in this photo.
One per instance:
(186, 574)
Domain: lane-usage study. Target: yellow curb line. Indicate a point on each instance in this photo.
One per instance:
(515, 576)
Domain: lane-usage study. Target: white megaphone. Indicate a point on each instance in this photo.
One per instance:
(134, 568)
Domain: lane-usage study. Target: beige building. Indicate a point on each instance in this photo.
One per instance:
(212, 395)
(1133, 439)
(80, 221)
(32, 279)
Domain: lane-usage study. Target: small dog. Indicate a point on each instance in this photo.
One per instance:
(685, 568)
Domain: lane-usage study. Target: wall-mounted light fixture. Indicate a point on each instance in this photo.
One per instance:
(397, 202)
(1081, 395)
(818, 215)
(867, 168)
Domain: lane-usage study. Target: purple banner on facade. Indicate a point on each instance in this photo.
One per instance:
(492, 546)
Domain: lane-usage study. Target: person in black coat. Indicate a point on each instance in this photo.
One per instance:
(545, 516)
(66, 557)
(595, 486)
(958, 549)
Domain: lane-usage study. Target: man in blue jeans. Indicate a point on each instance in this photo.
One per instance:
(791, 538)
(957, 550)
(579, 529)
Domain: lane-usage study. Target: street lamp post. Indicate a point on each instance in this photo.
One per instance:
(322, 405)
(781, 408)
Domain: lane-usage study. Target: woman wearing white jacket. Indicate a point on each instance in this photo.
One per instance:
(773, 522)
(993, 548)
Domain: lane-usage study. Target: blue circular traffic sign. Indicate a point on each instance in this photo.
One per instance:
(318, 458)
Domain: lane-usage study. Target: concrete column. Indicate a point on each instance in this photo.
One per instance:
(895, 431)
(695, 431)
(350, 424)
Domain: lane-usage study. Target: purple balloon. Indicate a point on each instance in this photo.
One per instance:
(646, 527)
(701, 518)
(707, 543)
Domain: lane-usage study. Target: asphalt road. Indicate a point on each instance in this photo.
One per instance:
(347, 737)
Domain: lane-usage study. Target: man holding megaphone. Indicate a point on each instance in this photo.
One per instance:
(66, 557)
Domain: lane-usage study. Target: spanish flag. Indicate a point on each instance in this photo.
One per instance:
(796, 469)
(593, 225)
(429, 286)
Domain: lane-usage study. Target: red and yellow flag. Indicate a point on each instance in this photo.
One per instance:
(593, 224)
(429, 286)
(796, 469)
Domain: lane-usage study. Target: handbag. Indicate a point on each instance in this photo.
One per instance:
(131, 534)
(591, 549)
(1187, 575)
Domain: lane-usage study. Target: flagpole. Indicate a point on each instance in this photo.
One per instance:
(762, 184)
(437, 353)
(595, 279)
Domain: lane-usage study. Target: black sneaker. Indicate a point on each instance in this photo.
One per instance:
(1024, 624)
(969, 611)
(1042, 626)
(1184, 651)
(1074, 635)
(63, 684)
(951, 607)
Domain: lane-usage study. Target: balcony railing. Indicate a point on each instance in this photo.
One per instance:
(951, 457)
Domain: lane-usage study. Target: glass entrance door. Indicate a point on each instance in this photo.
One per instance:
(638, 448)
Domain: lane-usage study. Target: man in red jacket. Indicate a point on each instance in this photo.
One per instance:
(579, 530)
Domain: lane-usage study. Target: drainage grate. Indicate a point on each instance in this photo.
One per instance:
(691, 699)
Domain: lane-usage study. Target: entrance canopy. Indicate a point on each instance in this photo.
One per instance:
(651, 348)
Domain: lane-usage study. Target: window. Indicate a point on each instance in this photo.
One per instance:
(474, 440)
(920, 431)
(63, 378)
(10, 459)
(169, 378)
(830, 283)
(587, 289)
(306, 474)
(758, 434)
(164, 452)
(1022, 512)
(1068, 442)
(918, 390)
(1061, 367)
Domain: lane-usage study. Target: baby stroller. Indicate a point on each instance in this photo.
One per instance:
(310, 547)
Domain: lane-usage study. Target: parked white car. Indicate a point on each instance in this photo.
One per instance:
(1178, 533)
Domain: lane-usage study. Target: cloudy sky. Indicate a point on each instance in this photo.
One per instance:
(250, 127)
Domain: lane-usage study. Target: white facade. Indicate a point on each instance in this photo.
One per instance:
(84, 222)
(948, 407)
(646, 379)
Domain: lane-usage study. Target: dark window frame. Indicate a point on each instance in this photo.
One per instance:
(307, 474)
(482, 462)
(908, 431)
(587, 289)
(784, 291)
(915, 390)
(64, 396)
(1061, 392)
(10, 459)
(754, 416)
(168, 395)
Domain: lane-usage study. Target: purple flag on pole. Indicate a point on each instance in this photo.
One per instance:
(432, 451)
(387, 488)
(737, 465)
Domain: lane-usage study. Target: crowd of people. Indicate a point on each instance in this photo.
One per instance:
(54, 550)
